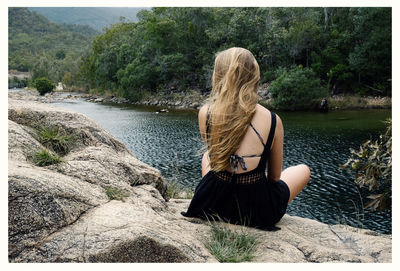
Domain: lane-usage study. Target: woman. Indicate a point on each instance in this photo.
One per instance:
(242, 137)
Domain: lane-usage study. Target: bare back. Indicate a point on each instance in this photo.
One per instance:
(251, 143)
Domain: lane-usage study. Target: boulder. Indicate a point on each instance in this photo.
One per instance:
(44, 200)
(141, 229)
(306, 240)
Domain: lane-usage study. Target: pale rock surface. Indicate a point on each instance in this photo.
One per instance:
(306, 240)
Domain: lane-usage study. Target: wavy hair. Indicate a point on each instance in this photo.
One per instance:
(232, 103)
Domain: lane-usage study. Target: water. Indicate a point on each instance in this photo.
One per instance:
(171, 143)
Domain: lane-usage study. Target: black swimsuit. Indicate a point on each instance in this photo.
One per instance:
(242, 198)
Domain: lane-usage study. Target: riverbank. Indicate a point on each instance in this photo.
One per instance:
(194, 100)
(101, 204)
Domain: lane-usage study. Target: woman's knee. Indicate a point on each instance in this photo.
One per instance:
(306, 172)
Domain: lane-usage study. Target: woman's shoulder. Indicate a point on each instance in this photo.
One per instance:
(267, 114)
(202, 116)
(262, 111)
(204, 108)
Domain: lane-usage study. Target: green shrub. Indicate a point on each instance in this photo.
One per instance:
(56, 140)
(230, 246)
(116, 193)
(45, 157)
(373, 168)
(296, 89)
(134, 95)
(268, 76)
(43, 85)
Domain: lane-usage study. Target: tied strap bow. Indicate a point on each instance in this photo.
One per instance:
(235, 160)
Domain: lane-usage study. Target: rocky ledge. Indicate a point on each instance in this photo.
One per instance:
(63, 212)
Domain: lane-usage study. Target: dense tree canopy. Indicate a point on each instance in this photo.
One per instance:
(349, 49)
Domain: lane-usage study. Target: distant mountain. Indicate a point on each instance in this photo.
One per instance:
(31, 36)
(95, 17)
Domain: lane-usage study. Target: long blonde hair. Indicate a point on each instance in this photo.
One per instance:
(233, 101)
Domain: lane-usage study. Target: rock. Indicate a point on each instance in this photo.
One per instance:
(263, 92)
(59, 87)
(62, 213)
(43, 200)
(99, 100)
(306, 240)
(323, 107)
(195, 105)
(138, 230)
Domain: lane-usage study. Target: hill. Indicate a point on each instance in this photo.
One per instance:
(95, 17)
(42, 47)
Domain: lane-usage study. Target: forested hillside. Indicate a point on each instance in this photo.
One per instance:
(95, 17)
(45, 48)
(346, 50)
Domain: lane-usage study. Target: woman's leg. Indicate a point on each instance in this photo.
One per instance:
(296, 178)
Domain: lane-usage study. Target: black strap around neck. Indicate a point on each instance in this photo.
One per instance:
(207, 124)
(271, 132)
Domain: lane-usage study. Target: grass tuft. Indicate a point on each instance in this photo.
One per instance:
(116, 193)
(177, 191)
(230, 246)
(45, 157)
(55, 140)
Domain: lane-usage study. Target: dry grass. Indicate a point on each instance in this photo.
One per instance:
(177, 191)
(355, 102)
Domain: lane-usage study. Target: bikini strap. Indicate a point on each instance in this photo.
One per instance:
(267, 146)
(261, 139)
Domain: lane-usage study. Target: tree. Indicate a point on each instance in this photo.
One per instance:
(43, 85)
(296, 89)
(371, 56)
(60, 54)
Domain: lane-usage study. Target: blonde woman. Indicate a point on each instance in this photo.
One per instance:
(242, 138)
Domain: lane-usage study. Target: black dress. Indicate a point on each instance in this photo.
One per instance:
(244, 198)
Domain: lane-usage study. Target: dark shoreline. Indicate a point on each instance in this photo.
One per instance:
(194, 100)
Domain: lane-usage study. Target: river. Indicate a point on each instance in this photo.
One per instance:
(171, 143)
